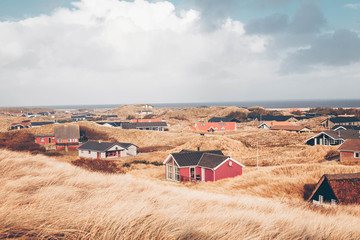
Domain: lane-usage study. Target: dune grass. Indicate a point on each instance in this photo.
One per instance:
(43, 198)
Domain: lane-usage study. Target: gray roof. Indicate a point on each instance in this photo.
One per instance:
(210, 160)
(67, 132)
(343, 119)
(36, 124)
(114, 124)
(344, 134)
(103, 146)
(192, 158)
(143, 125)
(272, 118)
(346, 127)
(223, 119)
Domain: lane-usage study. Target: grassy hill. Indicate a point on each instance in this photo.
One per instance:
(41, 197)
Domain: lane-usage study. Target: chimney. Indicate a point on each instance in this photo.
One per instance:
(198, 148)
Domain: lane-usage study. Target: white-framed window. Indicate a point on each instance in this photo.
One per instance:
(69, 140)
(177, 173)
(59, 140)
(169, 171)
(203, 124)
(222, 124)
(356, 154)
(216, 129)
(42, 139)
(222, 129)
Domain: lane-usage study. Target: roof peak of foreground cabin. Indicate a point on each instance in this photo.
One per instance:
(344, 188)
(350, 145)
(208, 159)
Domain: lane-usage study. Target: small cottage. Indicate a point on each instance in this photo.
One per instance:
(45, 139)
(337, 188)
(200, 166)
(298, 129)
(270, 124)
(332, 137)
(67, 136)
(334, 121)
(350, 150)
(106, 150)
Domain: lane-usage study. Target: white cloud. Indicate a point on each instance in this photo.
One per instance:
(352, 5)
(114, 51)
(117, 51)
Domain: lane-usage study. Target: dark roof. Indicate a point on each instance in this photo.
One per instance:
(272, 118)
(78, 116)
(67, 131)
(210, 160)
(36, 124)
(344, 134)
(346, 127)
(289, 128)
(46, 135)
(344, 187)
(109, 116)
(114, 124)
(350, 145)
(136, 125)
(192, 158)
(301, 117)
(102, 146)
(223, 119)
(343, 119)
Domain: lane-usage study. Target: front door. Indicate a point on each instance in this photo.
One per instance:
(203, 174)
(98, 155)
(192, 173)
(49, 139)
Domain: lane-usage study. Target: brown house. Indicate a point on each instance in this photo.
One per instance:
(337, 188)
(350, 150)
(298, 129)
(334, 121)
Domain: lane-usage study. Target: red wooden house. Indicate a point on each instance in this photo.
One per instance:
(200, 166)
(350, 150)
(67, 136)
(45, 139)
(214, 126)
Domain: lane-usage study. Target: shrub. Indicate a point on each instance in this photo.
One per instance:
(20, 141)
(331, 155)
(154, 149)
(129, 117)
(104, 166)
(92, 134)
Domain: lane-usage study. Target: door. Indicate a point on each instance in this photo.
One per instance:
(203, 174)
(98, 155)
(49, 139)
(192, 173)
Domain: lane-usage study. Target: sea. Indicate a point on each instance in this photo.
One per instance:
(353, 103)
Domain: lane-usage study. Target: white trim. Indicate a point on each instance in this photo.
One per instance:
(324, 134)
(226, 160)
(263, 124)
(336, 129)
(357, 153)
(168, 158)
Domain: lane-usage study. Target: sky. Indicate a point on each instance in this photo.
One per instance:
(64, 52)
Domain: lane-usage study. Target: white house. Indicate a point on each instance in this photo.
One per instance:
(106, 150)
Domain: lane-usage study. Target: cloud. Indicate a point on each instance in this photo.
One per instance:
(124, 52)
(308, 19)
(354, 6)
(272, 24)
(338, 49)
(271, 3)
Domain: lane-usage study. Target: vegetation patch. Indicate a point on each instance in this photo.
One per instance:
(88, 133)
(95, 165)
(155, 163)
(332, 155)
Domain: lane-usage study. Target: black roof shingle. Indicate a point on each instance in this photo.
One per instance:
(192, 158)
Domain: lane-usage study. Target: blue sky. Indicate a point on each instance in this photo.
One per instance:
(336, 12)
(178, 50)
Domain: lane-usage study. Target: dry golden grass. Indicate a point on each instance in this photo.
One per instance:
(43, 198)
